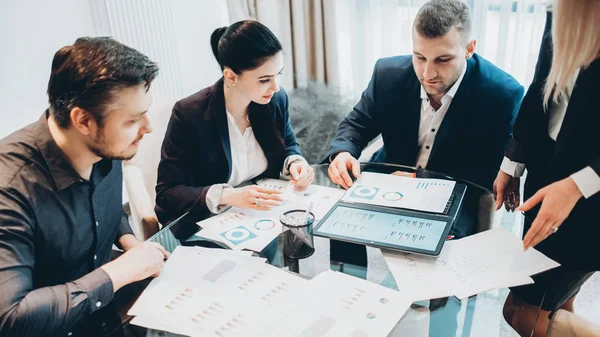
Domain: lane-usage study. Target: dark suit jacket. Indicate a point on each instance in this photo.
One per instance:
(577, 146)
(196, 152)
(470, 142)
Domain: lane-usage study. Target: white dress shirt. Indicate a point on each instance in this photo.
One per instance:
(431, 120)
(586, 179)
(248, 161)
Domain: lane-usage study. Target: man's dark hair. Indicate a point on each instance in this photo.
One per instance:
(437, 17)
(90, 72)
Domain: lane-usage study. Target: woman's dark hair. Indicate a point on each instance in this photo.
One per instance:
(244, 45)
(90, 72)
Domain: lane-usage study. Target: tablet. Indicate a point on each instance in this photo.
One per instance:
(387, 228)
(391, 228)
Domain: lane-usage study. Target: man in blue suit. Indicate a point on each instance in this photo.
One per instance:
(444, 108)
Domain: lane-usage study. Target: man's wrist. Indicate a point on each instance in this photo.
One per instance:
(335, 155)
(128, 241)
(118, 279)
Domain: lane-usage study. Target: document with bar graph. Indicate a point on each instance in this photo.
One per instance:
(427, 195)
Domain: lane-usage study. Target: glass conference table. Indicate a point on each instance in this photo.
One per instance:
(479, 315)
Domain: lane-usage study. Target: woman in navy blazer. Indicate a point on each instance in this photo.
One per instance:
(232, 132)
(556, 139)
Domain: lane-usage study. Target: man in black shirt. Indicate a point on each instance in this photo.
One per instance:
(61, 195)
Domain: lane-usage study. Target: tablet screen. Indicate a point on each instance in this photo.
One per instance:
(386, 229)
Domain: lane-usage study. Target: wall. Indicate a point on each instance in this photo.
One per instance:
(31, 31)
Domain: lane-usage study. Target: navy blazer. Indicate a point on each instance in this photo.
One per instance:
(196, 152)
(577, 146)
(471, 139)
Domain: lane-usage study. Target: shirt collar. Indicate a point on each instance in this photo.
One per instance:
(63, 174)
(453, 89)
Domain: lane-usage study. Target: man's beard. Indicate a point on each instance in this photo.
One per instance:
(439, 89)
(444, 88)
(100, 148)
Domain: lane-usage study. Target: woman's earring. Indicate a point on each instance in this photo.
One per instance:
(227, 86)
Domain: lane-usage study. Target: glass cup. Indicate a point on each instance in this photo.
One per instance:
(297, 237)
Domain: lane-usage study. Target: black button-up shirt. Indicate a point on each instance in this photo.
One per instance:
(56, 229)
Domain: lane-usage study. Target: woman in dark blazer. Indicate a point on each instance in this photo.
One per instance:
(556, 138)
(232, 132)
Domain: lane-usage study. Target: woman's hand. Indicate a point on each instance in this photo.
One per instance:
(252, 196)
(302, 174)
(558, 200)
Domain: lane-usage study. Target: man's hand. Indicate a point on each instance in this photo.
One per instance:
(404, 174)
(138, 263)
(506, 190)
(338, 169)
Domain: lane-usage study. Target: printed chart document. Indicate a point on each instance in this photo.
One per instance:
(206, 292)
(428, 195)
(202, 267)
(323, 198)
(254, 229)
(242, 228)
(341, 305)
(203, 292)
(465, 267)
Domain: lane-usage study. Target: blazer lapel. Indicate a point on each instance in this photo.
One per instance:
(579, 101)
(410, 121)
(455, 111)
(400, 131)
(217, 108)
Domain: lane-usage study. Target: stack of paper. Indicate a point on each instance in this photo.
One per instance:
(465, 267)
(205, 292)
(253, 229)
(429, 195)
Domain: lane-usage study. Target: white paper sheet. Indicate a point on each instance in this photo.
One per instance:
(195, 268)
(468, 266)
(253, 229)
(429, 195)
(323, 198)
(208, 313)
(210, 293)
(242, 229)
(420, 275)
(342, 305)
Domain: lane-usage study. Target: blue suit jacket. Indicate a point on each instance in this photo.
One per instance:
(196, 152)
(471, 139)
